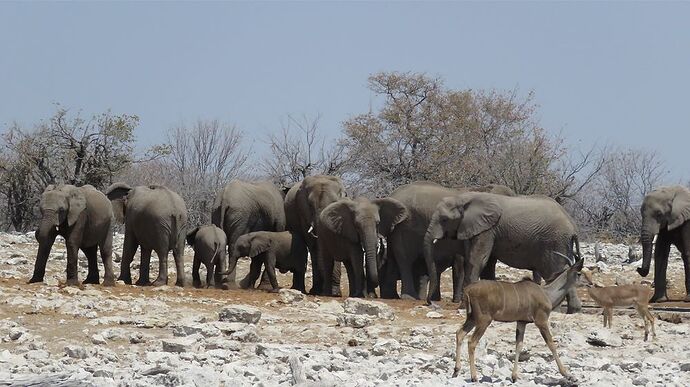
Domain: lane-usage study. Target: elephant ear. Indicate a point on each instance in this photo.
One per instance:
(338, 218)
(259, 244)
(77, 205)
(191, 236)
(118, 193)
(680, 209)
(480, 213)
(391, 212)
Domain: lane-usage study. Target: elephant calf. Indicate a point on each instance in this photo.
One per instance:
(209, 247)
(285, 251)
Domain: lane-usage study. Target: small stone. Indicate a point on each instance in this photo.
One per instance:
(353, 320)
(101, 373)
(604, 338)
(136, 338)
(359, 306)
(385, 346)
(290, 296)
(331, 307)
(673, 318)
(434, 315)
(180, 345)
(246, 335)
(16, 332)
(685, 367)
(76, 352)
(240, 313)
(98, 339)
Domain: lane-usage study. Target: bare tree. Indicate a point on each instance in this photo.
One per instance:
(299, 151)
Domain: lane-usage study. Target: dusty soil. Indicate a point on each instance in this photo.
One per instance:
(128, 335)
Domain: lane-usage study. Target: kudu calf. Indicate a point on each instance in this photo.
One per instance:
(636, 295)
(522, 302)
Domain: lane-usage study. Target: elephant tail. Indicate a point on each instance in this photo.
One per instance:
(216, 253)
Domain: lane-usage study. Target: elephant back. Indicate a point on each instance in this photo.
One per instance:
(257, 202)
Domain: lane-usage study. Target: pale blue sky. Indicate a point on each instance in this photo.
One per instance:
(606, 72)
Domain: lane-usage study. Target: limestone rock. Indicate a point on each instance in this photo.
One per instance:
(240, 313)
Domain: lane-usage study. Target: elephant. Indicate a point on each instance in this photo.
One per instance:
(285, 251)
(83, 217)
(349, 232)
(243, 207)
(407, 239)
(666, 214)
(209, 248)
(155, 219)
(304, 202)
(524, 232)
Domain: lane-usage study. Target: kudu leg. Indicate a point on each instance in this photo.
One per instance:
(546, 334)
(459, 337)
(474, 340)
(519, 337)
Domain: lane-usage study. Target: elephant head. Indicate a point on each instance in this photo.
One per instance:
(60, 207)
(249, 245)
(117, 193)
(461, 217)
(664, 208)
(361, 221)
(319, 191)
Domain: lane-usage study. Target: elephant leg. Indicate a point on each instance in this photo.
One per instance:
(178, 256)
(209, 275)
(357, 286)
(265, 283)
(44, 247)
(477, 257)
(489, 271)
(686, 265)
(92, 257)
(574, 303)
(661, 252)
(254, 271)
(536, 277)
(144, 268)
(162, 268)
(327, 266)
(196, 278)
(350, 278)
(129, 248)
(389, 279)
(408, 290)
(106, 249)
(458, 277)
(335, 279)
(270, 270)
(317, 277)
(72, 261)
(298, 281)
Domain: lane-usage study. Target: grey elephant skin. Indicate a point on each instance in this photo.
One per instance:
(406, 241)
(155, 219)
(349, 232)
(83, 217)
(285, 251)
(524, 232)
(209, 244)
(304, 202)
(243, 207)
(666, 214)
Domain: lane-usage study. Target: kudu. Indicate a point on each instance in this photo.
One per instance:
(522, 302)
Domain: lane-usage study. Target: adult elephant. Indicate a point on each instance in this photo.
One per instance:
(83, 217)
(523, 232)
(349, 232)
(666, 214)
(406, 241)
(242, 207)
(304, 202)
(155, 219)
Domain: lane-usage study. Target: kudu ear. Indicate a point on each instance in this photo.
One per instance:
(480, 213)
(191, 236)
(680, 209)
(391, 213)
(338, 218)
(77, 204)
(259, 244)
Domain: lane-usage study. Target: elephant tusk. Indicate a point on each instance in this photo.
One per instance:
(435, 240)
(311, 229)
(57, 228)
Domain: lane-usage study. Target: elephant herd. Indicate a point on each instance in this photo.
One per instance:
(411, 236)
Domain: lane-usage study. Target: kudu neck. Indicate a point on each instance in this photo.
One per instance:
(557, 289)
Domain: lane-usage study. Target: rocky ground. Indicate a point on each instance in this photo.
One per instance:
(63, 336)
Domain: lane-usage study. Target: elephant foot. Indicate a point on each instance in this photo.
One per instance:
(33, 280)
(687, 298)
(197, 284)
(301, 290)
(109, 281)
(162, 281)
(72, 282)
(407, 297)
(91, 280)
(274, 290)
(267, 287)
(574, 309)
(244, 284)
(142, 282)
(372, 295)
(179, 282)
(659, 298)
(127, 280)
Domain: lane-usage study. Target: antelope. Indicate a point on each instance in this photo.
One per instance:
(636, 295)
(522, 302)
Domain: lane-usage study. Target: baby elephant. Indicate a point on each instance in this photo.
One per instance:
(285, 251)
(209, 247)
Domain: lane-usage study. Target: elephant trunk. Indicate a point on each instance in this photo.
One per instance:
(370, 244)
(433, 233)
(646, 239)
(45, 235)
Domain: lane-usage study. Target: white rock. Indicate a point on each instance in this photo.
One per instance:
(16, 332)
(385, 346)
(98, 339)
(76, 352)
(180, 345)
(354, 320)
(331, 307)
(360, 306)
(240, 313)
(434, 315)
(246, 335)
(290, 296)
